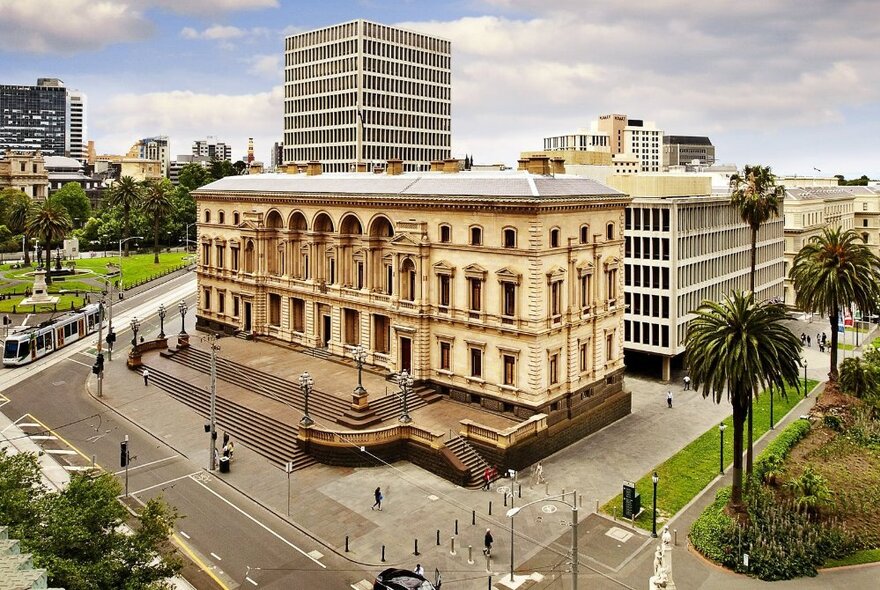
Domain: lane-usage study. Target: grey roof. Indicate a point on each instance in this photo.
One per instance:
(830, 192)
(686, 139)
(470, 185)
(58, 162)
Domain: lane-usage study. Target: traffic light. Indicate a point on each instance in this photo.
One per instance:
(110, 338)
(98, 367)
(123, 454)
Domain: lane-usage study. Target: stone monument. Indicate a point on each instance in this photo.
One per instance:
(39, 294)
(662, 577)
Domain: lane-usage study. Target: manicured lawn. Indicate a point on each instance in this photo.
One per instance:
(842, 346)
(137, 267)
(63, 304)
(864, 556)
(689, 471)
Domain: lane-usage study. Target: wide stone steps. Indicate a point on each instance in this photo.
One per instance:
(266, 436)
(472, 459)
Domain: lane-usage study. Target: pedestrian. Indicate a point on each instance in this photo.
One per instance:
(669, 398)
(818, 339)
(487, 542)
(803, 338)
(228, 449)
(146, 377)
(378, 495)
(487, 478)
(824, 338)
(539, 473)
(687, 382)
(419, 570)
(809, 342)
(821, 347)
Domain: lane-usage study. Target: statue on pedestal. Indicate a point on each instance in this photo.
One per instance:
(662, 577)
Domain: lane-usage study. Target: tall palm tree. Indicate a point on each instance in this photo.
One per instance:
(50, 222)
(833, 271)
(858, 378)
(156, 204)
(126, 193)
(757, 198)
(740, 346)
(19, 211)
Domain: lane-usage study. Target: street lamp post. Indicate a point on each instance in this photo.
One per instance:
(161, 321)
(721, 428)
(654, 478)
(135, 326)
(805, 377)
(188, 225)
(181, 307)
(574, 531)
(306, 382)
(772, 423)
(360, 356)
(405, 381)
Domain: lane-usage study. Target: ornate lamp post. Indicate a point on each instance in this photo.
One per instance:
(181, 307)
(405, 381)
(306, 382)
(654, 478)
(772, 422)
(721, 428)
(161, 321)
(805, 377)
(135, 326)
(360, 356)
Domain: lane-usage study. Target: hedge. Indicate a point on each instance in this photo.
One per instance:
(776, 452)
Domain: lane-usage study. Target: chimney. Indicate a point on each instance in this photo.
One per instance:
(394, 167)
(300, 168)
(539, 164)
(436, 165)
(313, 168)
(557, 165)
(290, 168)
(451, 165)
(361, 167)
(522, 164)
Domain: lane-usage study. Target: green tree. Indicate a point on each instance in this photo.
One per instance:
(811, 490)
(757, 198)
(18, 212)
(50, 223)
(221, 168)
(20, 490)
(740, 347)
(859, 378)
(832, 272)
(157, 205)
(194, 175)
(73, 198)
(239, 166)
(126, 194)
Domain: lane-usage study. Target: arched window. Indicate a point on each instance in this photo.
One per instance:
(445, 234)
(609, 231)
(585, 234)
(235, 218)
(554, 237)
(221, 217)
(509, 237)
(207, 216)
(408, 280)
(476, 236)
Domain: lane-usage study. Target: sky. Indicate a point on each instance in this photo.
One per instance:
(789, 83)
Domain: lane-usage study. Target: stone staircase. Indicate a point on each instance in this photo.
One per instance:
(472, 459)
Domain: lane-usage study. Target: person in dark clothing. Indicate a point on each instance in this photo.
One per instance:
(378, 496)
(487, 542)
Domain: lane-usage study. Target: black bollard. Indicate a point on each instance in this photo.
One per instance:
(438, 537)
(383, 553)
(415, 547)
(505, 500)
(346, 543)
(456, 526)
(473, 517)
(490, 507)
(519, 490)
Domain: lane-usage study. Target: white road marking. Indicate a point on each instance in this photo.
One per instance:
(260, 524)
(130, 469)
(77, 468)
(28, 425)
(184, 535)
(215, 556)
(78, 362)
(43, 437)
(251, 581)
(60, 452)
(164, 483)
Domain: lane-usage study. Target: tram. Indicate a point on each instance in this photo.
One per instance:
(28, 344)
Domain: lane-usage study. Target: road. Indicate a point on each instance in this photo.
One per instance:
(237, 542)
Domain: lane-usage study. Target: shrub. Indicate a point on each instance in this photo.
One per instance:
(811, 490)
(776, 452)
(711, 530)
(833, 422)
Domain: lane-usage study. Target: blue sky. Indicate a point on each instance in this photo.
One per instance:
(788, 83)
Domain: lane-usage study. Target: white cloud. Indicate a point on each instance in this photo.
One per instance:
(213, 33)
(210, 7)
(68, 26)
(266, 66)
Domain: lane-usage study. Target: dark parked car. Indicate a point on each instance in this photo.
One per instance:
(397, 579)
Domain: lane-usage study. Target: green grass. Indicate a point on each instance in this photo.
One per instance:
(851, 329)
(842, 346)
(688, 472)
(137, 267)
(63, 305)
(863, 556)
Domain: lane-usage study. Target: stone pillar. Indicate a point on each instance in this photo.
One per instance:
(667, 369)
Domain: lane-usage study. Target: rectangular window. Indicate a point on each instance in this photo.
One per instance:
(445, 356)
(555, 299)
(509, 369)
(206, 254)
(298, 312)
(585, 356)
(553, 369)
(509, 299)
(221, 302)
(476, 294)
(476, 362)
(359, 277)
(389, 279)
(585, 291)
(207, 298)
(443, 281)
(236, 303)
(274, 309)
(221, 262)
(609, 347)
(234, 258)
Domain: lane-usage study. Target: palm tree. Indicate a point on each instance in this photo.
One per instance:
(757, 197)
(740, 346)
(50, 223)
(126, 194)
(858, 378)
(156, 204)
(833, 271)
(19, 211)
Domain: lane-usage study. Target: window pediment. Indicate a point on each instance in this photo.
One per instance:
(444, 268)
(556, 273)
(506, 275)
(475, 271)
(585, 268)
(403, 240)
(612, 263)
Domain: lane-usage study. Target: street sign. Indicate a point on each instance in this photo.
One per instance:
(632, 500)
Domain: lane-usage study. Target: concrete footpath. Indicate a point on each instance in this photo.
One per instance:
(333, 505)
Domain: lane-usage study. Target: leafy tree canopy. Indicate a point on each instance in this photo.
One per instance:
(194, 175)
(73, 198)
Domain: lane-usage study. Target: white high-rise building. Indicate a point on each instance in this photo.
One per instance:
(366, 92)
(633, 136)
(211, 148)
(78, 129)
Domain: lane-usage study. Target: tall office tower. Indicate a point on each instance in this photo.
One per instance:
(211, 148)
(634, 136)
(78, 128)
(35, 117)
(153, 148)
(366, 92)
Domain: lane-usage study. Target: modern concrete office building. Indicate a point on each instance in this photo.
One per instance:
(47, 117)
(685, 150)
(502, 289)
(633, 136)
(153, 148)
(212, 149)
(366, 92)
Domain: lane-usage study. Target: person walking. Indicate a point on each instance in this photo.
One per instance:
(669, 398)
(146, 377)
(487, 542)
(487, 478)
(378, 496)
(687, 382)
(419, 570)
(809, 342)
